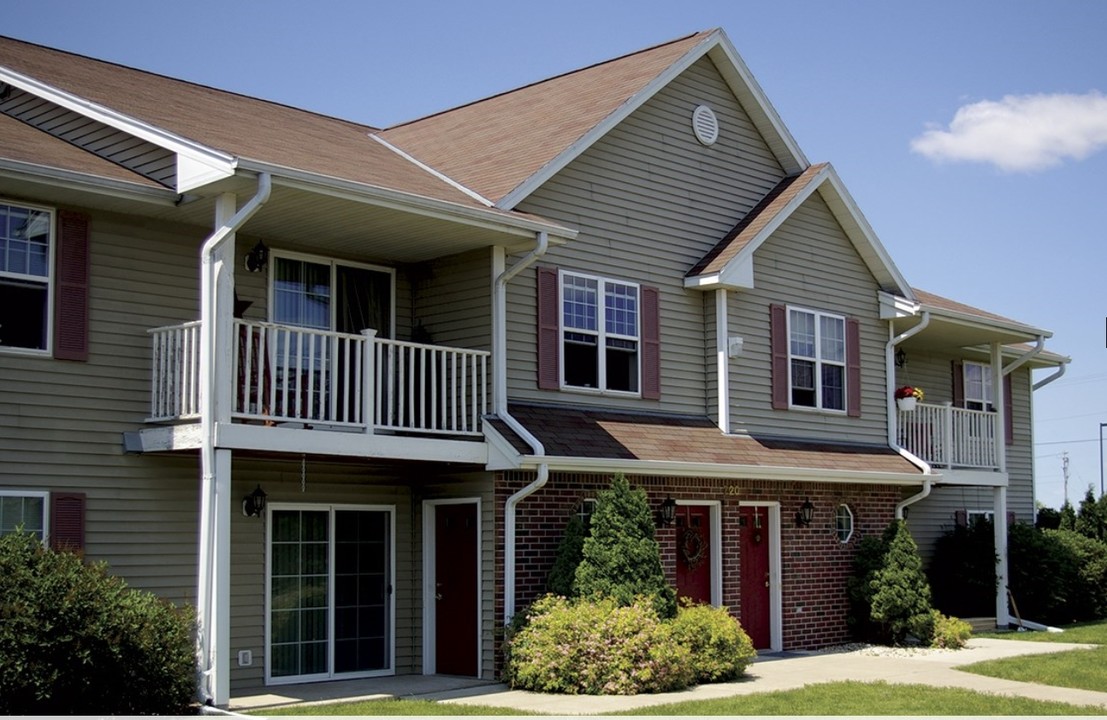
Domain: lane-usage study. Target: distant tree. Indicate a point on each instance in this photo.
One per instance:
(1068, 517)
(1089, 520)
(1048, 518)
(621, 557)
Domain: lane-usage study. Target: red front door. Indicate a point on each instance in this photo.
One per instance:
(693, 545)
(455, 575)
(754, 532)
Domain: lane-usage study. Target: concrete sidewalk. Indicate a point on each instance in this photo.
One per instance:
(788, 671)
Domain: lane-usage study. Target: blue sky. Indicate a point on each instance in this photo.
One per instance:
(973, 135)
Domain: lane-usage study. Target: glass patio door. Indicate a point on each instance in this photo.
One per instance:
(330, 593)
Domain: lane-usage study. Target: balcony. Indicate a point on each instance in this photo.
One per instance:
(949, 437)
(287, 376)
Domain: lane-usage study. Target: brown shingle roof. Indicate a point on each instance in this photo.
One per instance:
(575, 432)
(241, 126)
(494, 145)
(943, 303)
(755, 221)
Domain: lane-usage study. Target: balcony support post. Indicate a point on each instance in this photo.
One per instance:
(947, 435)
(999, 525)
(999, 402)
(369, 383)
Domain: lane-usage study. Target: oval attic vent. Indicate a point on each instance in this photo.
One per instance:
(705, 125)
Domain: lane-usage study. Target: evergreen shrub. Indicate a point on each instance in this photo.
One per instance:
(77, 641)
(570, 551)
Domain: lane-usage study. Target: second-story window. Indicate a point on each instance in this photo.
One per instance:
(978, 387)
(26, 255)
(600, 333)
(817, 359)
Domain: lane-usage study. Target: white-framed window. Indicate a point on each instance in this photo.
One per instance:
(817, 359)
(26, 509)
(585, 511)
(843, 523)
(26, 277)
(600, 334)
(326, 294)
(974, 516)
(978, 386)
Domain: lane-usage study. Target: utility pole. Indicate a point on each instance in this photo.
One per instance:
(1065, 467)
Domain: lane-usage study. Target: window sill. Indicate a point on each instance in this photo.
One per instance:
(600, 393)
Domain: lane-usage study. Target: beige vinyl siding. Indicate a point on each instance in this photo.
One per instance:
(62, 423)
(453, 299)
(120, 147)
(930, 518)
(807, 263)
(649, 201)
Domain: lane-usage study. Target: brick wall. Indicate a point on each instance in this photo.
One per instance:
(814, 563)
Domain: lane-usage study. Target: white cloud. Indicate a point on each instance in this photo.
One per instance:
(1021, 132)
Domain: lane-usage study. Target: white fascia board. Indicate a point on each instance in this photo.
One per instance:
(976, 321)
(893, 306)
(737, 275)
(428, 169)
(490, 218)
(718, 470)
(220, 164)
(745, 86)
(971, 478)
(502, 455)
(57, 177)
(238, 436)
(532, 183)
(871, 249)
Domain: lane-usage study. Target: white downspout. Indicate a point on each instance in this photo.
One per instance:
(499, 401)
(1055, 376)
(722, 359)
(211, 501)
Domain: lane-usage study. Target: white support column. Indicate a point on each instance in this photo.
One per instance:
(722, 363)
(999, 402)
(999, 508)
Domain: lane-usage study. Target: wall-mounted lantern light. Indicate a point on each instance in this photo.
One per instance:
(257, 258)
(668, 511)
(253, 505)
(806, 514)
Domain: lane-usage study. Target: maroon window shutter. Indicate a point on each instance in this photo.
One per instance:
(651, 343)
(1009, 416)
(1010, 518)
(961, 518)
(67, 521)
(853, 367)
(958, 373)
(549, 330)
(778, 334)
(71, 291)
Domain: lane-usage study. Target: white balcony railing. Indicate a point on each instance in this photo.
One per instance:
(946, 436)
(284, 374)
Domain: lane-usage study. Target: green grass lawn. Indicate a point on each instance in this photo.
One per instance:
(1082, 669)
(840, 698)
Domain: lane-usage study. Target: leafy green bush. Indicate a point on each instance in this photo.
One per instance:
(621, 558)
(948, 632)
(570, 551)
(859, 587)
(721, 649)
(75, 640)
(596, 647)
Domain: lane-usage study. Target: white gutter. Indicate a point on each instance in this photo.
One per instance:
(206, 601)
(499, 399)
(1055, 376)
(890, 381)
(922, 494)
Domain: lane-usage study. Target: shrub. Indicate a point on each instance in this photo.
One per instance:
(901, 597)
(621, 559)
(569, 553)
(721, 649)
(963, 570)
(75, 640)
(859, 587)
(948, 632)
(596, 647)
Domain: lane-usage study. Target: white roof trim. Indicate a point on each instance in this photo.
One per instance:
(441, 176)
(87, 182)
(894, 306)
(793, 159)
(201, 165)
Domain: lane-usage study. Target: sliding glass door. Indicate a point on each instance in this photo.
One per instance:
(329, 588)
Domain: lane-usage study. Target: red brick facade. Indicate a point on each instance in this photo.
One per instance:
(814, 563)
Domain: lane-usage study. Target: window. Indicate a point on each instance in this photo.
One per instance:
(817, 359)
(843, 523)
(978, 387)
(600, 333)
(585, 511)
(26, 254)
(975, 516)
(26, 509)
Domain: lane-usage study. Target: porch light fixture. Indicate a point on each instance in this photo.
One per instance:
(257, 258)
(806, 514)
(901, 357)
(668, 511)
(253, 505)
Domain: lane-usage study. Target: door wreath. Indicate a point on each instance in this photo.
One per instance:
(692, 548)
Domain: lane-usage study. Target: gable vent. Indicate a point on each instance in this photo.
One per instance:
(705, 125)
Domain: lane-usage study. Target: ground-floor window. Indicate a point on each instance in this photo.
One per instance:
(23, 509)
(329, 592)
